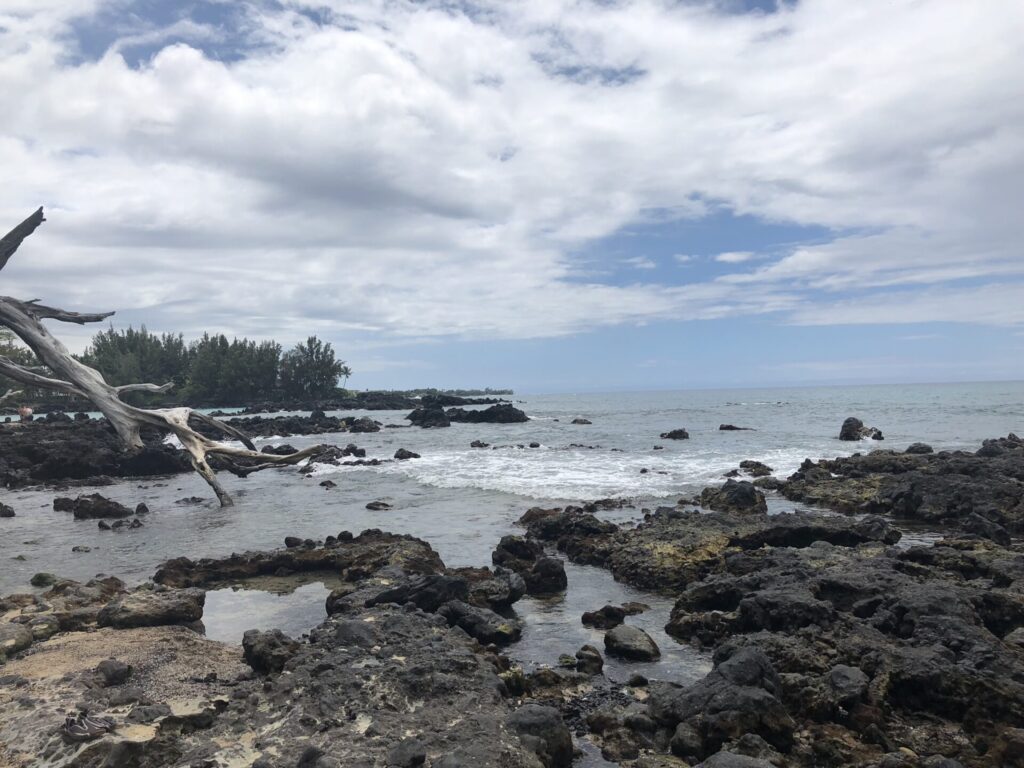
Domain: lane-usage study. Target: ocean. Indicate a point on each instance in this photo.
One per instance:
(463, 499)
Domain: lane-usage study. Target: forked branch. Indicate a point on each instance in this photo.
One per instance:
(73, 377)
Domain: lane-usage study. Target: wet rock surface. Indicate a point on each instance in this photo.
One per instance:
(379, 682)
(945, 487)
(53, 451)
(833, 647)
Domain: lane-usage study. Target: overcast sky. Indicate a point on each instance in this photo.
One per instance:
(546, 194)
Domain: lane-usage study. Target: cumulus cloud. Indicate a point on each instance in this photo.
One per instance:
(383, 170)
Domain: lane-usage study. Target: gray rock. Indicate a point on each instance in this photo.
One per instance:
(541, 730)
(546, 577)
(43, 580)
(631, 643)
(849, 684)
(589, 660)
(732, 760)
(481, 623)
(267, 652)
(147, 608)
(14, 638)
(604, 618)
(113, 671)
(407, 753)
(428, 592)
(6, 511)
(734, 496)
(919, 448)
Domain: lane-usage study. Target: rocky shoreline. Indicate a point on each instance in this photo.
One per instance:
(834, 642)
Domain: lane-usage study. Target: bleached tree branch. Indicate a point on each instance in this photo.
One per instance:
(73, 377)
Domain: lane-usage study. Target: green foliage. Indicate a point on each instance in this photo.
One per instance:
(311, 370)
(132, 356)
(213, 370)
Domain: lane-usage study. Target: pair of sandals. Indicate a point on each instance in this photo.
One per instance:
(84, 728)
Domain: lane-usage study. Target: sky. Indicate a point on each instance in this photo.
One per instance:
(549, 195)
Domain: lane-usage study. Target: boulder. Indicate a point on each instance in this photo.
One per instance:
(608, 617)
(364, 424)
(675, 434)
(402, 455)
(504, 413)
(153, 608)
(43, 579)
(516, 552)
(376, 506)
(631, 643)
(854, 429)
(581, 421)
(733, 428)
(919, 449)
(740, 695)
(755, 468)
(481, 623)
(429, 418)
(267, 652)
(987, 529)
(546, 577)
(6, 511)
(428, 593)
(734, 496)
(14, 638)
(541, 730)
(92, 507)
(113, 671)
(589, 660)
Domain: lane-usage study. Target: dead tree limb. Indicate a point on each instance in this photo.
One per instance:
(9, 394)
(73, 377)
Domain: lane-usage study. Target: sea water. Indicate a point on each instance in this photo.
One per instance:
(463, 499)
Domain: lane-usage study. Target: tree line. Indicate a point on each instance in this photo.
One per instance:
(211, 370)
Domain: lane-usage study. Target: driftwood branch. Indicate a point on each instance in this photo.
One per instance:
(29, 376)
(155, 388)
(75, 378)
(9, 394)
(10, 242)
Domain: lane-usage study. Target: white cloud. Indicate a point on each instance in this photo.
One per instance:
(735, 257)
(641, 262)
(419, 171)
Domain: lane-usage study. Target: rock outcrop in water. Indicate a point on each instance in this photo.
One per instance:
(435, 416)
(59, 451)
(982, 491)
(854, 429)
